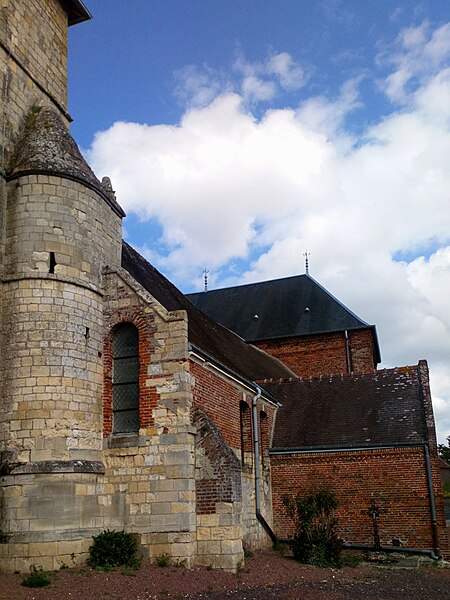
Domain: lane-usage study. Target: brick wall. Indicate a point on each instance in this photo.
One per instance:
(324, 354)
(222, 400)
(149, 484)
(217, 469)
(145, 324)
(395, 479)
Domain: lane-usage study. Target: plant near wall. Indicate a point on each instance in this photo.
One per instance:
(315, 540)
(113, 549)
(37, 578)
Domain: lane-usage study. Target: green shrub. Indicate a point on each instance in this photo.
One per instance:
(315, 541)
(113, 549)
(37, 578)
(447, 489)
(162, 560)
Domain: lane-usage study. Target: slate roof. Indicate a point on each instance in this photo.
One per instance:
(205, 334)
(288, 307)
(47, 147)
(371, 409)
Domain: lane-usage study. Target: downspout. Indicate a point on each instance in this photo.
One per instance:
(433, 554)
(432, 503)
(259, 516)
(347, 351)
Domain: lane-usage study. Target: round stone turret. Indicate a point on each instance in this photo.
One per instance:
(63, 228)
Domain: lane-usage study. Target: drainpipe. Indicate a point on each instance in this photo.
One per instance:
(347, 351)
(431, 497)
(398, 549)
(434, 554)
(259, 516)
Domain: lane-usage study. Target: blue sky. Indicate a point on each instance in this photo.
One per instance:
(239, 133)
(126, 59)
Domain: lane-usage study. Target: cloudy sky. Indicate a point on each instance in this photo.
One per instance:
(239, 133)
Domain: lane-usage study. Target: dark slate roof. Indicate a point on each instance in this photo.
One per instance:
(288, 307)
(205, 334)
(76, 11)
(47, 147)
(372, 409)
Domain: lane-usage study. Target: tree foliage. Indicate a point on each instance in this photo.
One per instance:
(444, 451)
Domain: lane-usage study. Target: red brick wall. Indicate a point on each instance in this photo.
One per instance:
(145, 325)
(324, 354)
(220, 481)
(221, 400)
(394, 478)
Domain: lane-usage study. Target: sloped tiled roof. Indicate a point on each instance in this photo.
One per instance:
(371, 409)
(207, 335)
(288, 307)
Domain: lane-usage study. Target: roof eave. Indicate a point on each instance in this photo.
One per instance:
(76, 11)
(346, 447)
(231, 373)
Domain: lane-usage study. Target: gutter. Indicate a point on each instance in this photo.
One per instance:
(330, 448)
(434, 554)
(212, 362)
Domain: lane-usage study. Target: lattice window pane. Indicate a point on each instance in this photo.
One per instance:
(125, 342)
(125, 400)
(125, 396)
(126, 421)
(126, 370)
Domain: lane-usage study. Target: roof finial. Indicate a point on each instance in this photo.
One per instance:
(205, 276)
(306, 254)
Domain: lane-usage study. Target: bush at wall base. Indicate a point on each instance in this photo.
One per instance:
(113, 549)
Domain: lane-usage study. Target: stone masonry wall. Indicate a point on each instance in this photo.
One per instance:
(221, 398)
(218, 498)
(324, 354)
(33, 36)
(394, 479)
(149, 480)
(58, 234)
(49, 214)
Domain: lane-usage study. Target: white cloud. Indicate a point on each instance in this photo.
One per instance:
(226, 186)
(328, 116)
(198, 87)
(291, 75)
(418, 53)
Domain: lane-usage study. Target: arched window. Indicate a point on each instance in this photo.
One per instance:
(246, 430)
(264, 435)
(125, 380)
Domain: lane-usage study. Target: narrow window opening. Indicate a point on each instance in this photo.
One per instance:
(53, 263)
(87, 335)
(245, 431)
(264, 438)
(125, 398)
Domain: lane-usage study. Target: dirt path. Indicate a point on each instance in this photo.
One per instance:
(267, 576)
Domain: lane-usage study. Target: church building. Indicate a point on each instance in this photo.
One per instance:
(125, 406)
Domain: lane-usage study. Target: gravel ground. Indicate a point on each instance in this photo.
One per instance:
(267, 575)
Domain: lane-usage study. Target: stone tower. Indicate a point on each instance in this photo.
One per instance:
(60, 227)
